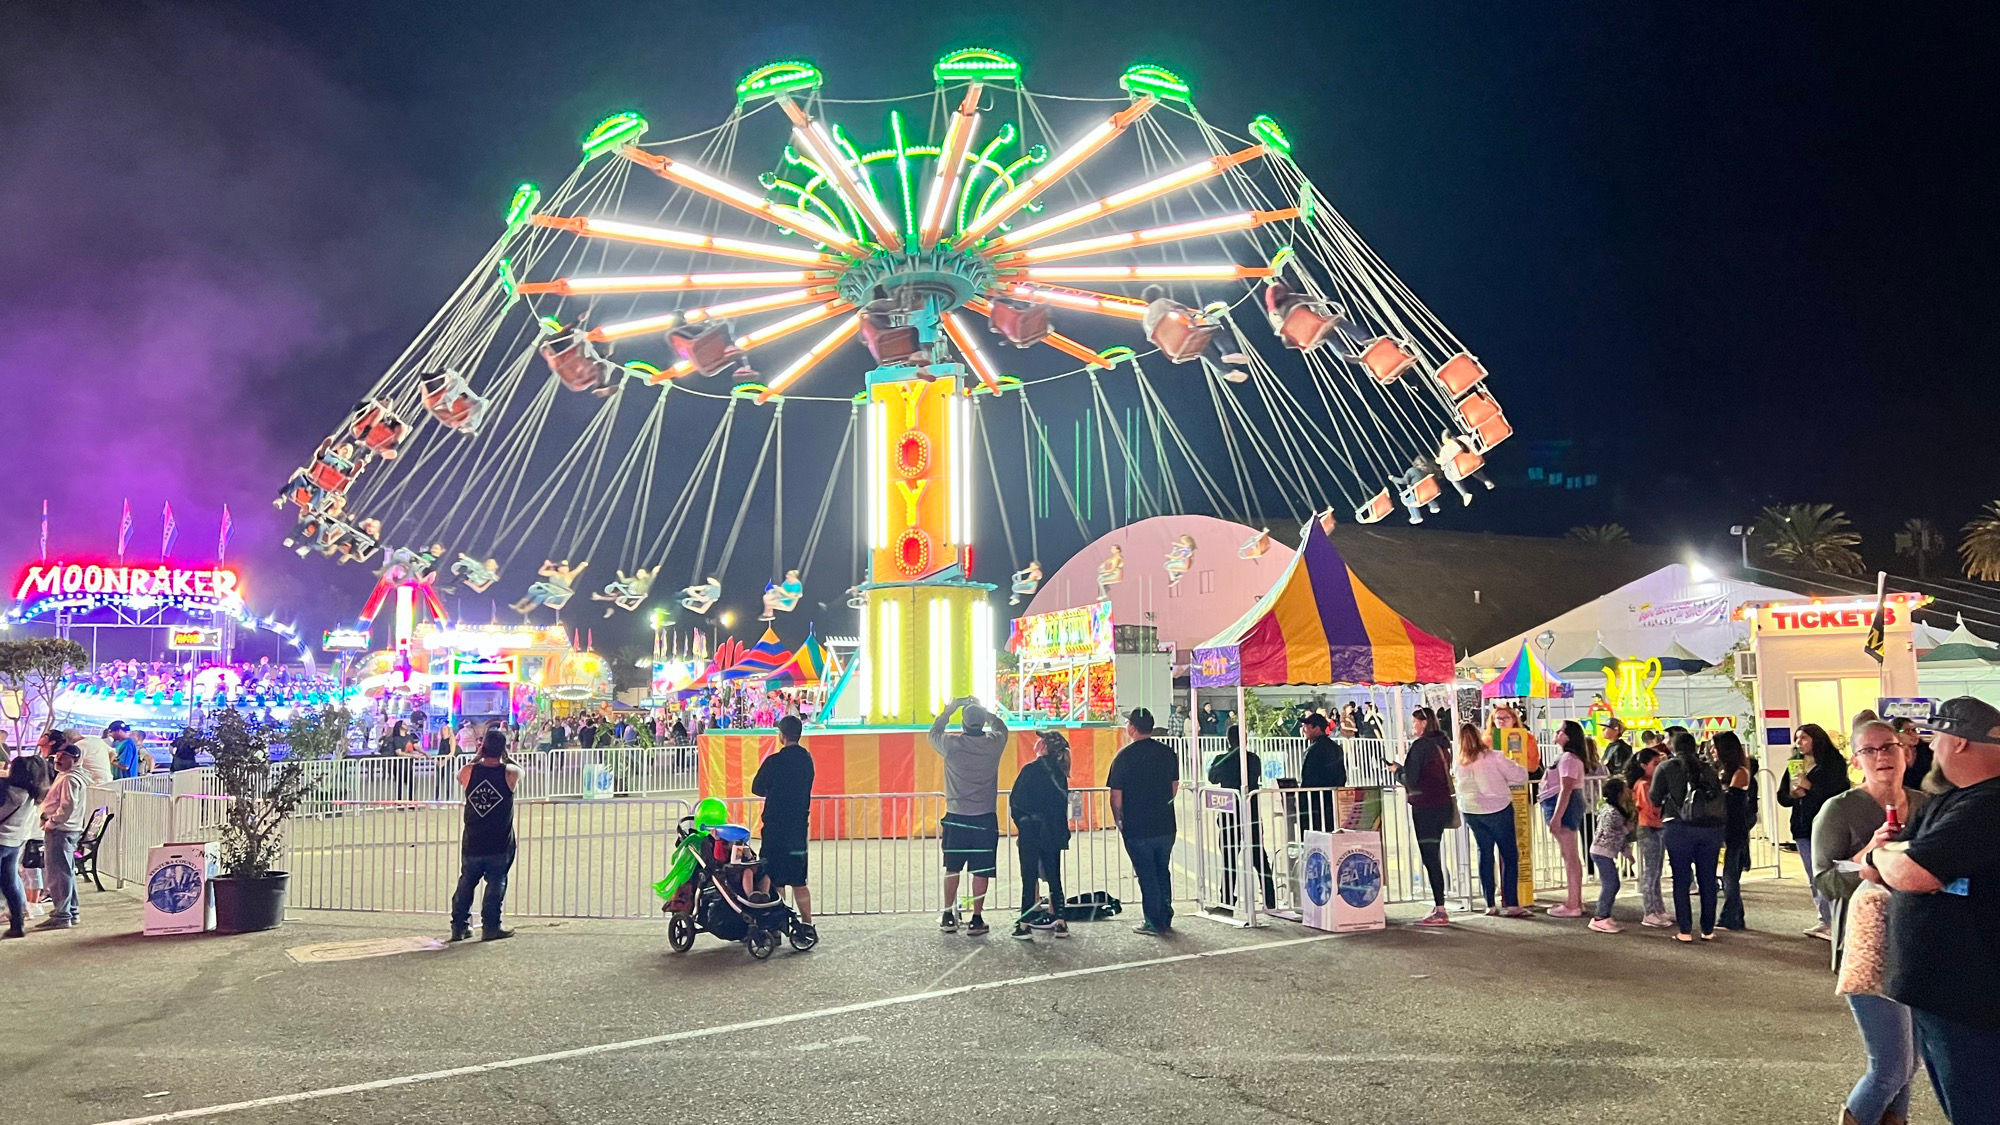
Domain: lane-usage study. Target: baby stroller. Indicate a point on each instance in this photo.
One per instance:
(703, 891)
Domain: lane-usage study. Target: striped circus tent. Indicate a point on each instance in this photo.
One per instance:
(808, 665)
(1526, 678)
(1320, 625)
(761, 660)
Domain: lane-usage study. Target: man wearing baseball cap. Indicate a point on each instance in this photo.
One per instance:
(1944, 918)
(1143, 780)
(64, 808)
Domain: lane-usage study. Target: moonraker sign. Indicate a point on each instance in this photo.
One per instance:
(69, 579)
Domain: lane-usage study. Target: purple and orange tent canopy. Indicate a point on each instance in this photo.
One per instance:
(1319, 625)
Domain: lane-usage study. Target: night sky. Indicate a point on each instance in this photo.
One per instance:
(1727, 253)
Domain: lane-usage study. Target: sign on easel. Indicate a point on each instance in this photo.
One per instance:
(178, 898)
(1343, 884)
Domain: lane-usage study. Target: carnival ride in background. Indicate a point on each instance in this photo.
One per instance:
(1248, 354)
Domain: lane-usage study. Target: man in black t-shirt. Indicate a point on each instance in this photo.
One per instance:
(1944, 918)
(1143, 779)
(785, 781)
(1323, 769)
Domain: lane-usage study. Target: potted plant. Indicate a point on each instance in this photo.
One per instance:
(250, 894)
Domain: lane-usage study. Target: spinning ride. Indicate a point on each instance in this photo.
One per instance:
(1205, 299)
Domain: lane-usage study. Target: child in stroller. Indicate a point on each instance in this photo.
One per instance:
(711, 888)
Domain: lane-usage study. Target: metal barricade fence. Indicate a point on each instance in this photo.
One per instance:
(1367, 758)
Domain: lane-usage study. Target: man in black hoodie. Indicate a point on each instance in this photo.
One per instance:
(1325, 767)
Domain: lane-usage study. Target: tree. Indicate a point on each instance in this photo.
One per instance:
(1919, 540)
(32, 671)
(1980, 549)
(1813, 536)
(1603, 534)
(262, 794)
(318, 733)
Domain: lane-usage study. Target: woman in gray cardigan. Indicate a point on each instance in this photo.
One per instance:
(1840, 833)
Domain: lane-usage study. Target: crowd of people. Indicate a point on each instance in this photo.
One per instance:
(218, 680)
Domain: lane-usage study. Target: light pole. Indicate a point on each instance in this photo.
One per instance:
(1742, 533)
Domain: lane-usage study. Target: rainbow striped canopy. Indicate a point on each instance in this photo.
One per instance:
(763, 658)
(1526, 678)
(806, 666)
(1320, 625)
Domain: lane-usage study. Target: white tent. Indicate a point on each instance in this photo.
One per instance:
(1676, 612)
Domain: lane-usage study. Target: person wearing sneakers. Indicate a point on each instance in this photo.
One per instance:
(65, 808)
(1561, 801)
(1040, 807)
(1651, 835)
(487, 850)
(971, 825)
(1485, 781)
(1614, 834)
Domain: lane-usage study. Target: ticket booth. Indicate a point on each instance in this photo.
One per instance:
(1811, 664)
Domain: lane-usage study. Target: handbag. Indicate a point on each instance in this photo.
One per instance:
(1451, 786)
(1865, 943)
(31, 855)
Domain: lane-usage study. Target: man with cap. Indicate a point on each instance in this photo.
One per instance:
(1944, 917)
(64, 808)
(124, 747)
(971, 825)
(1617, 751)
(1143, 779)
(1324, 769)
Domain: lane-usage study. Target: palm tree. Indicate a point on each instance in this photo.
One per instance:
(1813, 536)
(1980, 549)
(1603, 534)
(1919, 540)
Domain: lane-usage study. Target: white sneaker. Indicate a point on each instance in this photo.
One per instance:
(1606, 926)
(1237, 359)
(1822, 931)
(1232, 375)
(1657, 921)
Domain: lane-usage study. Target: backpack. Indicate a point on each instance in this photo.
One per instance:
(1091, 907)
(1706, 805)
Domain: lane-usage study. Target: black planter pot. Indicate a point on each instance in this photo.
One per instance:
(245, 904)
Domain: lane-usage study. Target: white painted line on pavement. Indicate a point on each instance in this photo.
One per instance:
(699, 1033)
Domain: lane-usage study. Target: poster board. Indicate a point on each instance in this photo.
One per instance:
(179, 899)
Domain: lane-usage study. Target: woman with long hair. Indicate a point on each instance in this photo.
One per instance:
(21, 791)
(1691, 799)
(1426, 778)
(1739, 783)
(1845, 827)
(1039, 805)
(1485, 780)
(1561, 801)
(1815, 775)
(1512, 738)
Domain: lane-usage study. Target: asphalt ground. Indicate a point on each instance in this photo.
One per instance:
(1490, 1020)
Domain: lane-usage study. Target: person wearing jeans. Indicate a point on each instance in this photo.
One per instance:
(1735, 769)
(1690, 798)
(64, 808)
(21, 792)
(487, 853)
(1485, 781)
(1143, 779)
(1614, 831)
(1815, 776)
(1652, 838)
(1845, 824)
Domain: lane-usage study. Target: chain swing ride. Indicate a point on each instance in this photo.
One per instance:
(583, 388)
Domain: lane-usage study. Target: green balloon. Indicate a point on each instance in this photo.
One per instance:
(710, 813)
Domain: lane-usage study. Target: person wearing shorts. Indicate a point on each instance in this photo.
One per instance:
(785, 781)
(971, 825)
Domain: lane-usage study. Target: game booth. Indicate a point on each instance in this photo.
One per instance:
(1318, 625)
(1077, 665)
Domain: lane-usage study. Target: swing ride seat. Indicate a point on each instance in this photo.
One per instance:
(378, 427)
(1021, 323)
(329, 475)
(1376, 509)
(893, 345)
(1182, 336)
(1256, 547)
(711, 349)
(1481, 414)
(450, 400)
(1462, 464)
(578, 365)
(1386, 359)
(1460, 374)
(1421, 493)
(1305, 324)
